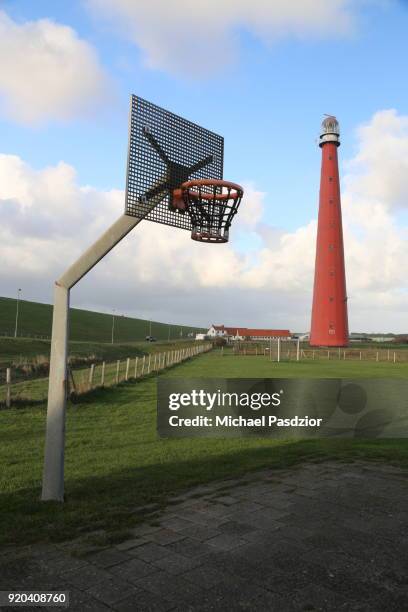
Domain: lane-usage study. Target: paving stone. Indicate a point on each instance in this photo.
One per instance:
(205, 575)
(127, 544)
(165, 536)
(234, 528)
(199, 532)
(169, 587)
(107, 558)
(227, 499)
(111, 591)
(63, 563)
(150, 551)
(189, 547)
(176, 523)
(143, 601)
(226, 541)
(86, 576)
(175, 563)
(132, 570)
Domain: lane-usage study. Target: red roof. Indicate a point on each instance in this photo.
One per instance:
(247, 331)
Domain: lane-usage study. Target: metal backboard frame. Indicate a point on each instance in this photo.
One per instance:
(165, 150)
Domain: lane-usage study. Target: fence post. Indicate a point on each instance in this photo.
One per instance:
(143, 365)
(298, 351)
(313, 354)
(103, 374)
(388, 355)
(8, 383)
(148, 365)
(117, 371)
(344, 355)
(395, 357)
(328, 354)
(279, 349)
(91, 375)
(360, 355)
(376, 356)
(154, 365)
(127, 368)
(136, 358)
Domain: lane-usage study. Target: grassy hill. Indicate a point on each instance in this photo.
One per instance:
(35, 321)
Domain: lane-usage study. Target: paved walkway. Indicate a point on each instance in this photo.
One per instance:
(326, 536)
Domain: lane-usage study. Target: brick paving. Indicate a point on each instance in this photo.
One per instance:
(322, 537)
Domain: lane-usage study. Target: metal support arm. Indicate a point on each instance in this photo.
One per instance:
(53, 476)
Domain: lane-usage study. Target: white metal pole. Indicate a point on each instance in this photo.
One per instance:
(113, 327)
(53, 475)
(8, 390)
(17, 309)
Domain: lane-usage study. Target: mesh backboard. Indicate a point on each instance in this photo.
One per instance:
(166, 150)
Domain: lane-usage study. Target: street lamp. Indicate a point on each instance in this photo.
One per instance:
(113, 325)
(17, 306)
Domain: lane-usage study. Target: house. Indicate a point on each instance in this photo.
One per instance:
(243, 333)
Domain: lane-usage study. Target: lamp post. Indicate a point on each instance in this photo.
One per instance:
(17, 308)
(113, 326)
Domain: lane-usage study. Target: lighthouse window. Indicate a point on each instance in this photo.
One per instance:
(330, 178)
(331, 201)
(331, 299)
(330, 157)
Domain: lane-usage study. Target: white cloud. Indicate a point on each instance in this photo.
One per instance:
(48, 219)
(47, 72)
(197, 37)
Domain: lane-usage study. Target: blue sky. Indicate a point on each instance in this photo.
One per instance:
(267, 102)
(268, 105)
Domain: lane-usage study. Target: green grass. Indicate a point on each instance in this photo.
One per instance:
(215, 365)
(35, 320)
(115, 464)
(13, 350)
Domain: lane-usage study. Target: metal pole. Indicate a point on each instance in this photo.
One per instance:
(8, 390)
(113, 326)
(17, 307)
(53, 475)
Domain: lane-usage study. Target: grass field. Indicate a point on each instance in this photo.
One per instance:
(35, 320)
(25, 349)
(115, 464)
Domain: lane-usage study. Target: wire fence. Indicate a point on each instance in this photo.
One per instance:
(97, 375)
(294, 350)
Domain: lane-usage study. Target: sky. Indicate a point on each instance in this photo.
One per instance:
(262, 74)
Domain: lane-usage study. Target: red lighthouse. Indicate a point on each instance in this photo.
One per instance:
(329, 312)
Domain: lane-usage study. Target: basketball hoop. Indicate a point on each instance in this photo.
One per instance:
(211, 205)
